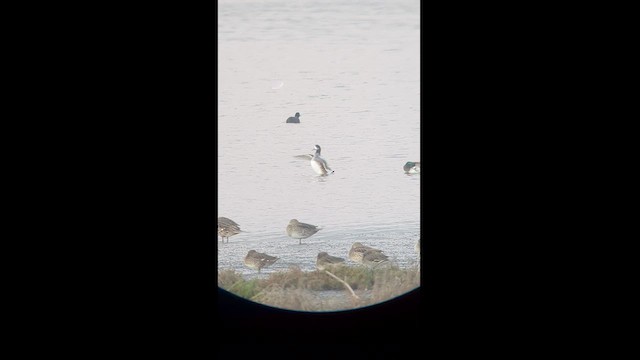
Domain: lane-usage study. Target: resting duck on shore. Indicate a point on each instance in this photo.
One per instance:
(298, 230)
(326, 261)
(227, 227)
(357, 252)
(257, 261)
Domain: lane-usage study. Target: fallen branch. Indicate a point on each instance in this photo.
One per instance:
(344, 283)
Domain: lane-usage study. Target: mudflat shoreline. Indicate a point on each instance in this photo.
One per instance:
(299, 290)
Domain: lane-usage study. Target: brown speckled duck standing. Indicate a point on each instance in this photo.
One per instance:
(298, 230)
(227, 228)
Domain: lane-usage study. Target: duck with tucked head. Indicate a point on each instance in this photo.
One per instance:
(227, 227)
(326, 261)
(412, 167)
(298, 230)
(358, 251)
(373, 259)
(318, 164)
(256, 261)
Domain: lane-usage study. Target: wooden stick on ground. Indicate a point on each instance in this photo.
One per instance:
(344, 283)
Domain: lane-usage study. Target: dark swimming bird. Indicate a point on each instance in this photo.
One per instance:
(298, 230)
(412, 167)
(318, 164)
(227, 227)
(294, 120)
(257, 261)
(326, 261)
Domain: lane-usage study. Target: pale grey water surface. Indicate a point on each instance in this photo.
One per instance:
(352, 70)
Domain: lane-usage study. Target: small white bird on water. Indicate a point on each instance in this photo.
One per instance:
(318, 164)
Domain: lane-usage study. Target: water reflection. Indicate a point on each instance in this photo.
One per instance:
(320, 178)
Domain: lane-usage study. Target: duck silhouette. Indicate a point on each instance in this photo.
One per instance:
(294, 120)
(412, 167)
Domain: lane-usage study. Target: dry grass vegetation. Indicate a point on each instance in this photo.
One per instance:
(317, 291)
